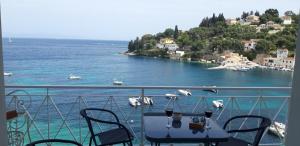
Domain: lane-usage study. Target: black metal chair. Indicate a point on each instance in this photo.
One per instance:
(47, 141)
(114, 136)
(264, 124)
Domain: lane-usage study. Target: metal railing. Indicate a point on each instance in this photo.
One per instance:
(53, 111)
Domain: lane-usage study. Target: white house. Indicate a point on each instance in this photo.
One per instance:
(282, 53)
(231, 21)
(250, 45)
(287, 20)
(171, 47)
(270, 24)
(167, 43)
(252, 19)
(180, 53)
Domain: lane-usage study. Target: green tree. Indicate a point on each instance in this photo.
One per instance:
(256, 13)
(169, 32)
(176, 32)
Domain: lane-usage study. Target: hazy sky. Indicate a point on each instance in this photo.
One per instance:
(118, 19)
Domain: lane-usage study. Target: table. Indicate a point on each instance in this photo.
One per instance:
(157, 132)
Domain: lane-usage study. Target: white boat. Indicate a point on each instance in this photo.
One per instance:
(171, 96)
(210, 90)
(218, 103)
(147, 100)
(74, 77)
(185, 92)
(116, 82)
(134, 101)
(8, 73)
(277, 129)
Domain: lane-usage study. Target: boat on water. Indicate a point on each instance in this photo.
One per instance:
(171, 96)
(277, 129)
(185, 92)
(74, 77)
(218, 103)
(244, 69)
(8, 73)
(136, 101)
(209, 89)
(117, 82)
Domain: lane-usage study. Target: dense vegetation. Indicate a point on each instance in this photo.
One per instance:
(213, 35)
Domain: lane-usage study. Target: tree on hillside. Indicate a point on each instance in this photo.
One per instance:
(272, 12)
(130, 46)
(176, 32)
(256, 13)
(270, 15)
(244, 15)
(264, 46)
(221, 18)
(169, 32)
(289, 13)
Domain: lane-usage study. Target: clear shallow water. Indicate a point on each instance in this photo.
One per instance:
(49, 62)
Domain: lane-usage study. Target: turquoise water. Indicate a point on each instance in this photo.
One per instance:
(50, 61)
(45, 61)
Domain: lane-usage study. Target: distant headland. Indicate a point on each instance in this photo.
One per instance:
(267, 40)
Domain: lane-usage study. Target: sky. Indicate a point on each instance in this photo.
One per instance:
(118, 19)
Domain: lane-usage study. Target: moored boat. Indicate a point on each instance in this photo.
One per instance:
(74, 77)
(185, 92)
(171, 96)
(117, 82)
(210, 89)
(8, 73)
(134, 101)
(218, 103)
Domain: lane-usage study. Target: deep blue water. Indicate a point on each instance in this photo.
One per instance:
(50, 61)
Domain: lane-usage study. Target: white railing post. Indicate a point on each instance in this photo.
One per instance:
(293, 128)
(142, 118)
(3, 129)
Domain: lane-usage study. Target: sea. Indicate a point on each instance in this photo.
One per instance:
(100, 62)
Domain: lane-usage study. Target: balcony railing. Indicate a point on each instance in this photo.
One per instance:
(53, 111)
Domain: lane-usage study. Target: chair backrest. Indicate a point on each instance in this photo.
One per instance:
(54, 141)
(89, 119)
(264, 124)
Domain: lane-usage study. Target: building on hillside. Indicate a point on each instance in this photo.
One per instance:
(282, 53)
(250, 44)
(270, 24)
(252, 19)
(286, 20)
(231, 21)
(180, 53)
(282, 61)
(167, 43)
(273, 31)
(171, 47)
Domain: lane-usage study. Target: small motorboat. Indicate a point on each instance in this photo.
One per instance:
(8, 73)
(218, 103)
(211, 90)
(185, 92)
(147, 100)
(277, 129)
(117, 82)
(134, 101)
(74, 77)
(171, 96)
